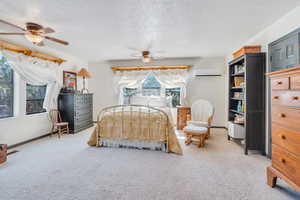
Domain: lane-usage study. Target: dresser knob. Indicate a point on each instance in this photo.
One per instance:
(282, 115)
(276, 97)
(295, 98)
(283, 160)
(279, 82)
(283, 137)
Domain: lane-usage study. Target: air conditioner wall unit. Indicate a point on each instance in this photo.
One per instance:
(208, 72)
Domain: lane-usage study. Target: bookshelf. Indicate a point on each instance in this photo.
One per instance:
(247, 100)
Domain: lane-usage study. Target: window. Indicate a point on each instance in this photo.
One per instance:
(175, 94)
(6, 89)
(127, 94)
(151, 86)
(35, 98)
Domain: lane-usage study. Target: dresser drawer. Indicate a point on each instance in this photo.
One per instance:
(84, 110)
(287, 117)
(295, 81)
(286, 138)
(286, 163)
(280, 83)
(286, 98)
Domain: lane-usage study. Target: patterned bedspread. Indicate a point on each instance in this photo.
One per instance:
(137, 126)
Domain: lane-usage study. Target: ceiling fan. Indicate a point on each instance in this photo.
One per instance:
(145, 55)
(35, 33)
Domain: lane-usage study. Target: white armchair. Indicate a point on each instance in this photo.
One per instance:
(202, 113)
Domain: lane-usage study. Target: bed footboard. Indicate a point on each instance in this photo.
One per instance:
(133, 126)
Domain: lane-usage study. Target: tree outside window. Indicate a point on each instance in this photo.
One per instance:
(6, 89)
(127, 94)
(175, 94)
(35, 96)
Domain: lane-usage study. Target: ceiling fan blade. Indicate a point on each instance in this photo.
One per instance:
(137, 55)
(40, 44)
(134, 49)
(12, 33)
(158, 52)
(158, 57)
(49, 30)
(57, 40)
(10, 24)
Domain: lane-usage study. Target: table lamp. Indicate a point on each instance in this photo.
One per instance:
(84, 74)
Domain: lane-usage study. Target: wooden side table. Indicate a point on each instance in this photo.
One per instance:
(3, 153)
(183, 115)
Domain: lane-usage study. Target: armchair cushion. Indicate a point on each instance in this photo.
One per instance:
(197, 123)
(195, 129)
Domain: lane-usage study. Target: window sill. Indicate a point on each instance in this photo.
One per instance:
(34, 114)
(8, 118)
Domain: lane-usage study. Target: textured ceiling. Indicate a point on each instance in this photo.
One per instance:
(104, 29)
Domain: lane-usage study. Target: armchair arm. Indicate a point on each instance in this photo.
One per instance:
(198, 123)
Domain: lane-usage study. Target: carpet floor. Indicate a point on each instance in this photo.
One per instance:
(68, 169)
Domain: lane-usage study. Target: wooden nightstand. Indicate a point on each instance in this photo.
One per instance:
(183, 115)
(3, 153)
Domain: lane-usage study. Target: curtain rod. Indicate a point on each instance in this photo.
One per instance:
(28, 52)
(150, 68)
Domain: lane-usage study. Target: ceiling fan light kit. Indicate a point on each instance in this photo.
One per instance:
(34, 33)
(146, 56)
(34, 38)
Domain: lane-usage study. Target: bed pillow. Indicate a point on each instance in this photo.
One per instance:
(139, 100)
(157, 102)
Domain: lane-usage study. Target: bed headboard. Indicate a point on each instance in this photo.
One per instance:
(154, 101)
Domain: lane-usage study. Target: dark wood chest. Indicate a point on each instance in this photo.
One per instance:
(77, 109)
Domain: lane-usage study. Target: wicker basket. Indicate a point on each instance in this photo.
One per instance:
(247, 49)
(238, 81)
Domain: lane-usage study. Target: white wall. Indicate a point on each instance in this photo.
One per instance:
(283, 26)
(210, 88)
(24, 127)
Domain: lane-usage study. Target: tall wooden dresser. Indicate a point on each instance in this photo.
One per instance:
(285, 127)
(77, 109)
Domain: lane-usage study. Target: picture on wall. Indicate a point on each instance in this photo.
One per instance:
(70, 80)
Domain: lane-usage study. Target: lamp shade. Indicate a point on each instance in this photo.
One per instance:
(84, 73)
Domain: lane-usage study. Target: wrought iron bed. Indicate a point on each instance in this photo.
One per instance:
(133, 126)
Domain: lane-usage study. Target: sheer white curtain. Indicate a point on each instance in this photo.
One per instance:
(134, 79)
(173, 79)
(37, 72)
(128, 79)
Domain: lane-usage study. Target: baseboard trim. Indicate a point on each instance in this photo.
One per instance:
(223, 127)
(48, 134)
(27, 141)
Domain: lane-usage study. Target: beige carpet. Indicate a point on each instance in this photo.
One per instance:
(68, 169)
